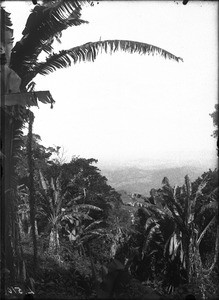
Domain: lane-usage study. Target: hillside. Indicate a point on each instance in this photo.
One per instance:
(136, 180)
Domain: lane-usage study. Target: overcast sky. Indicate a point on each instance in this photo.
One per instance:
(129, 107)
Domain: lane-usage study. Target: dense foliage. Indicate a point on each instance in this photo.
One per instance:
(93, 244)
(67, 233)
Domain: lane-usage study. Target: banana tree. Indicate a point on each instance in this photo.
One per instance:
(186, 239)
(153, 224)
(57, 212)
(14, 112)
(175, 228)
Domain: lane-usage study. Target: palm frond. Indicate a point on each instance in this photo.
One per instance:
(92, 225)
(43, 182)
(88, 206)
(27, 99)
(74, 200)
(213, 220)
(42, 26)
(63, 9)
(89, 52)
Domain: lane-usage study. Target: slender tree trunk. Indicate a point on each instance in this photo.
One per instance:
(186, 250)
(6, 200)
(31, 187)
(11, 255)
(54, 240)
(12, 119)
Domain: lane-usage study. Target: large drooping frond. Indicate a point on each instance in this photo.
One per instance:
(89, 52)
(27, 99)
(5, 19)
(44, 24)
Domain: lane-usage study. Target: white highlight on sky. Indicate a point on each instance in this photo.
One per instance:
(130, 107)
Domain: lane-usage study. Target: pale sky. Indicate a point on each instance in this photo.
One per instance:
(130, 107)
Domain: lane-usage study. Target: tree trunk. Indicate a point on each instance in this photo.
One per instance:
(31, 187)
(54, 241)
(11, 255)
(186, 250)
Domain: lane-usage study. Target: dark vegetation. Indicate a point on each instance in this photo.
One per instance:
(90, 244)
(65, 232)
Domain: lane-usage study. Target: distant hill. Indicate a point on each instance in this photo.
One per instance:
(136, 180)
